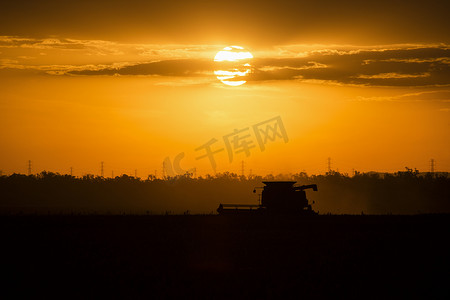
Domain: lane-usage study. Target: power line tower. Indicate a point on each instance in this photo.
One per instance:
(101, 172)
(329, 164)
(29, 167)
(432, 165)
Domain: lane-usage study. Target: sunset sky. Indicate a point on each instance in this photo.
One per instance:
(132, 84)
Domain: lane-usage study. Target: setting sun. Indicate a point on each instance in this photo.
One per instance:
(233, 65)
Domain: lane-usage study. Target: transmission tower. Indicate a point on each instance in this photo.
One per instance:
(29, 167)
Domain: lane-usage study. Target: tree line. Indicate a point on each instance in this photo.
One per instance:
(408, 192)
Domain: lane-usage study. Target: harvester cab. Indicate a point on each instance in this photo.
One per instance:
(284, 197)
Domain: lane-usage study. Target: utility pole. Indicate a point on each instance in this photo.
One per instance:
(29, 167)
(71, 171)
(432, 165)
(242, 169)
(102, 168)
(135, 173)
(329, 164)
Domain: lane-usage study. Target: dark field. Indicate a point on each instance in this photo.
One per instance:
(226, 257)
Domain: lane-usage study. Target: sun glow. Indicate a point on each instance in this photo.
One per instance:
(232, 65)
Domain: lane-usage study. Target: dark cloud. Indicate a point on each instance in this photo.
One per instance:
(422, 66)
(397, 67)
(181, 67)
(47, 43)
(97, 47)
(441, 95)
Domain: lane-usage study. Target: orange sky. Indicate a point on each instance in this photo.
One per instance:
(373, 96)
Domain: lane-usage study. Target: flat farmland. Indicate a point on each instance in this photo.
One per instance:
(210, 256)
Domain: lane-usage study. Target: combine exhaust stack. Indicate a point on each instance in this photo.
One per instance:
(277, 197)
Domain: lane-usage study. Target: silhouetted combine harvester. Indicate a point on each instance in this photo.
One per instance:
(277, 197)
